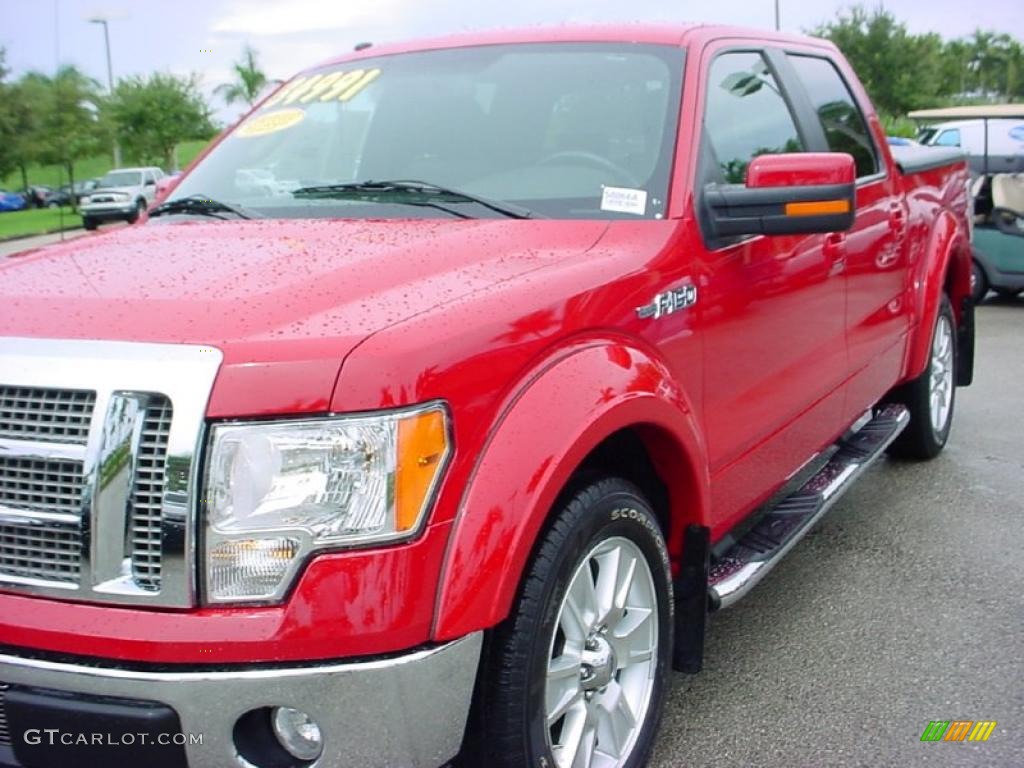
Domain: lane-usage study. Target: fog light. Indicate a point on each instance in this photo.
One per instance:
(298, 733)
(251, 568)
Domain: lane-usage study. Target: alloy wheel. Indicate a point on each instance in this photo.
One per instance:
(602, 659)
(941, 383)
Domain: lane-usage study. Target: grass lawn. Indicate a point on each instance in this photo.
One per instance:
(36, 221)
(88, 168)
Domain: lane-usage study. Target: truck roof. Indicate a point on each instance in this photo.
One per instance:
(655, 34)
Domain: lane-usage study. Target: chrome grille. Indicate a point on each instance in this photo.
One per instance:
(97, 483)
(5, 733)
(147, 494)
(41, 485)
(59, 415)
(44, 551)
(42, 496)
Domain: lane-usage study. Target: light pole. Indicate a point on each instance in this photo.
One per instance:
(778, 20)
(110, 79)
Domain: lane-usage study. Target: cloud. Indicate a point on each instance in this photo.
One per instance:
(267, 18)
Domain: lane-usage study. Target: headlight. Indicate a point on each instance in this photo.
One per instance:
(84, 200)
(278, 491)
(121, 196)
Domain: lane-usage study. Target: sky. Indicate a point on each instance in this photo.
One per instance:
(206, 36)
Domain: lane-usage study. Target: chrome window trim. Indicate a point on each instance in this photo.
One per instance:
(122, 374)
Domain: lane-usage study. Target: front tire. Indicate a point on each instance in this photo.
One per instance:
(140, 208)
(931, 396)
(577, 676)
(89, 224)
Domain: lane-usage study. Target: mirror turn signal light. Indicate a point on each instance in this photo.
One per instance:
(818, 208)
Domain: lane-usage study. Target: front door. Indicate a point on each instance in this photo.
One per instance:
(772, 309)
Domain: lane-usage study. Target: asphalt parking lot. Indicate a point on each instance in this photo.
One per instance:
(905, 605)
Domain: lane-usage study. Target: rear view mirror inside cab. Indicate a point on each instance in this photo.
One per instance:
(786, 194)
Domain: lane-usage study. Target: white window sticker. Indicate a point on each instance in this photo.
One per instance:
(624, 200)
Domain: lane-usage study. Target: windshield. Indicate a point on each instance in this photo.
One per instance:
(573, 130)
(121, 179)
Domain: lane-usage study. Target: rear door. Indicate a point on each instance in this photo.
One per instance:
(773, 309)
(876, 253)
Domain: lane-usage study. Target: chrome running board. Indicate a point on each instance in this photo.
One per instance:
(740, 568)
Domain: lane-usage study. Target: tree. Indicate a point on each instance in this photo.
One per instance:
(954, 71)
(986, 66)
(21, 107)
(60, 119)
(899, 70)
(8, 121)
(16, 126)
(153, 115)
(250, 80)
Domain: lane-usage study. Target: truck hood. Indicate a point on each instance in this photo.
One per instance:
(270, 292)
(127, 190)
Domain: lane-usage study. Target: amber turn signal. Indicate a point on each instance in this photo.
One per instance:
(422, 449)
(818, 208)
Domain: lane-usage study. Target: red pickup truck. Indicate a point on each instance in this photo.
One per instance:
(449, 392)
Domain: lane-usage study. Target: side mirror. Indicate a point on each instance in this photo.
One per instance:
(790, 194)
(150, 182)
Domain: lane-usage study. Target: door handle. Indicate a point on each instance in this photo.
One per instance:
(834, 248)
(898, 219)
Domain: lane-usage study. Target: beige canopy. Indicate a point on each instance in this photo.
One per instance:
(978, 112)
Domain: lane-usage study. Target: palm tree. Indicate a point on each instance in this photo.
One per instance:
(250, 80)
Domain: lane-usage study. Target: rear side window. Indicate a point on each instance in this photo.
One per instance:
(949, 138)
(746, 115)
(841, 119)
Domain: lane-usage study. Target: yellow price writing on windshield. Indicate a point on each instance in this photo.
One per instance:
(329, 86)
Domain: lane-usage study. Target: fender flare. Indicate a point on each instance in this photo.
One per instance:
(545, 431)
(947, 253)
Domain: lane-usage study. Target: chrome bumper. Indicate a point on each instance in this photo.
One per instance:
(407, 711)
(108, 209)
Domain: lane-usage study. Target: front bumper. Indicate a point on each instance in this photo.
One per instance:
(109, 210)
(405, 711)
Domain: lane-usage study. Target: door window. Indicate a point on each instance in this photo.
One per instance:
(841, 119)
(949, 138)
(746, 114)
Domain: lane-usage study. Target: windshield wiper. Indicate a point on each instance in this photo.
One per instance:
(199, 205)
(420, 188)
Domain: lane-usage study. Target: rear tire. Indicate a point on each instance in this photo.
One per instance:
(931, 396)
(979, 283)
(1009, 293)
(583, 661)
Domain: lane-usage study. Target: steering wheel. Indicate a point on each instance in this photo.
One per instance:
(582, 157)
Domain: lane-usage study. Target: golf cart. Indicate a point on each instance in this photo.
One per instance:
(998, 239)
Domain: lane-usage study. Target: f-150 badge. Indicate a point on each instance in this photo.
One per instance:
(668, 302)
